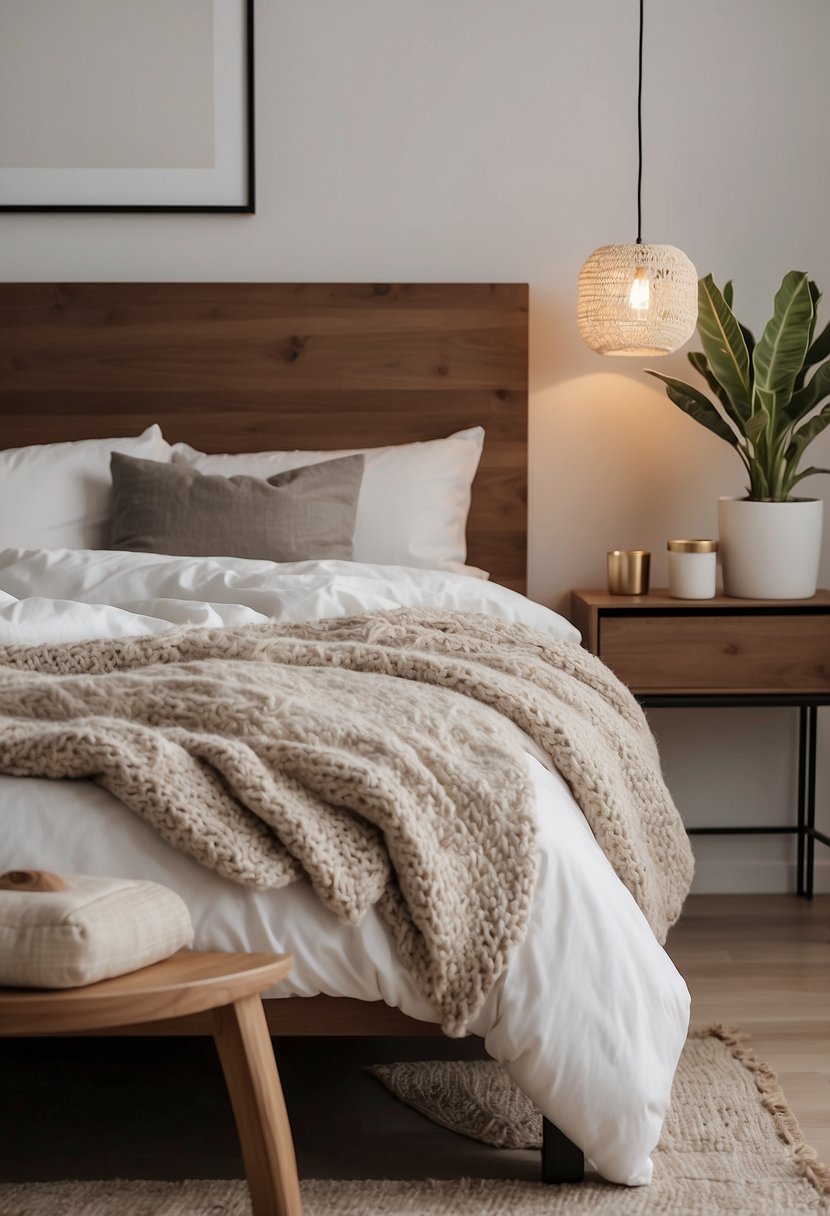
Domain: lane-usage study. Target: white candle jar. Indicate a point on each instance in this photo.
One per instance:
(692, 569)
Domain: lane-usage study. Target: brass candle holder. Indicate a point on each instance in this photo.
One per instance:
(628, 571)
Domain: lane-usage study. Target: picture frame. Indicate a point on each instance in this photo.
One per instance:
(109, 106)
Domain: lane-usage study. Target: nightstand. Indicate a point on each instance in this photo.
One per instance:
(723, 652)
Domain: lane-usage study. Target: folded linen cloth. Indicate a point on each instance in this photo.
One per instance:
(91, 930)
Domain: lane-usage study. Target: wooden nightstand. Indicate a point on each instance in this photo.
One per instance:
(723, 652)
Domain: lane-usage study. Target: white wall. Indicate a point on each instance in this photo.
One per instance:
(478, 140)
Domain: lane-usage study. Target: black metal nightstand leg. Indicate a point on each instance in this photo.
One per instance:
(812, 732)
(802, 797)
(562, 1161)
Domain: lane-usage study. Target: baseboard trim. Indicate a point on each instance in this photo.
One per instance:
(754, 877)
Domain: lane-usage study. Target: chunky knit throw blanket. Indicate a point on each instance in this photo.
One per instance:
(343, 752)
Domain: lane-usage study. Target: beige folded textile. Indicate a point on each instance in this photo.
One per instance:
(94, 929)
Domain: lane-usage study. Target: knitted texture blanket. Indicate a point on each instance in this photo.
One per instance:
(364, 755)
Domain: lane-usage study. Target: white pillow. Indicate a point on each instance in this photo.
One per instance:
(57, 495)
(414, 498)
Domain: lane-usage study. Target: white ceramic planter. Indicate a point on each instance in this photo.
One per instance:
(770, 550)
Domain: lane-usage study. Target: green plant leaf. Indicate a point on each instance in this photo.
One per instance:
(800, 440)
(701, 365)
(697, 406)
(724, 345)
(779, 355)
(815, 296)
(727, 293)
(809, 473)
(811, 429)
(819, 349)
(755, 426)
(811, 395)
(749, 339)
(758, 484)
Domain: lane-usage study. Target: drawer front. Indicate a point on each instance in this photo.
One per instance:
(738, 654)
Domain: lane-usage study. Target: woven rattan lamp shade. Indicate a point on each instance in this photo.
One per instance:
(637, 299)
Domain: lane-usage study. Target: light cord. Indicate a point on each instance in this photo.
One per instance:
(640, 135)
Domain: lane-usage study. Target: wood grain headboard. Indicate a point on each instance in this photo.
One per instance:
(234, 367)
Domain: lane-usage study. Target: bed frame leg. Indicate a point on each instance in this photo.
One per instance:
(562, 1161)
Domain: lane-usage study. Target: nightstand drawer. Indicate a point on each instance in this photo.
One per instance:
(726, 653)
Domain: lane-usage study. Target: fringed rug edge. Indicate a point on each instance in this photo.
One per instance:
(773, 1101)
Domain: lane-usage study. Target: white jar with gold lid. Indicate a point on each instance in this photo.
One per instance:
(692, 569)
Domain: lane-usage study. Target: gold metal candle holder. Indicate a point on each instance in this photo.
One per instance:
(628, 571)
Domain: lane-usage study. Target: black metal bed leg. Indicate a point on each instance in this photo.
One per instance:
(562, 1161)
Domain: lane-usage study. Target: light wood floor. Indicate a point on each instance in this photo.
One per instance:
(762, 963)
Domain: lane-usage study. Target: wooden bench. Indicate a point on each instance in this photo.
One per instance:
(228, 986)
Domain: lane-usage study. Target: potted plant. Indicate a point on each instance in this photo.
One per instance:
(765, 406)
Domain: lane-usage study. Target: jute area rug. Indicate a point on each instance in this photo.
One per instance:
(730, 1145)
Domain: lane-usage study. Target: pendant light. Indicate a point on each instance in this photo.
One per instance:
(637, 299)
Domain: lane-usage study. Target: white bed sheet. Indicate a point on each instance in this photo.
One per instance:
(590, 1016)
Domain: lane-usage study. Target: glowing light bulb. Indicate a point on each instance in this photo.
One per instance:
(638, 296)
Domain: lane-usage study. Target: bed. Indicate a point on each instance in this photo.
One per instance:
(590, 1015)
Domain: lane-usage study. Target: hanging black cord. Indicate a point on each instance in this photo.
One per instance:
(640, 134)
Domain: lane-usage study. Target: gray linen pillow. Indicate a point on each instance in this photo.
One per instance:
(298, 515)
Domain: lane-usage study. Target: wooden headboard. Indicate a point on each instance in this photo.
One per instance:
(234, 367)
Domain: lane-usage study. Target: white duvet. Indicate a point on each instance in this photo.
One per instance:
(590, 1016)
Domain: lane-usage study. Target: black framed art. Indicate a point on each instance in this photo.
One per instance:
(113, 105)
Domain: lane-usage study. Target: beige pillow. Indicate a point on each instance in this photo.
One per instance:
(477, 1098)
(97, 928)
(293, 516)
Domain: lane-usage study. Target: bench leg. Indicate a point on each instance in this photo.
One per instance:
(244, 1045)
(562, 1161)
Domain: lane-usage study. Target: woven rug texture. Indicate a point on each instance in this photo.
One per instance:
(730, 1145)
